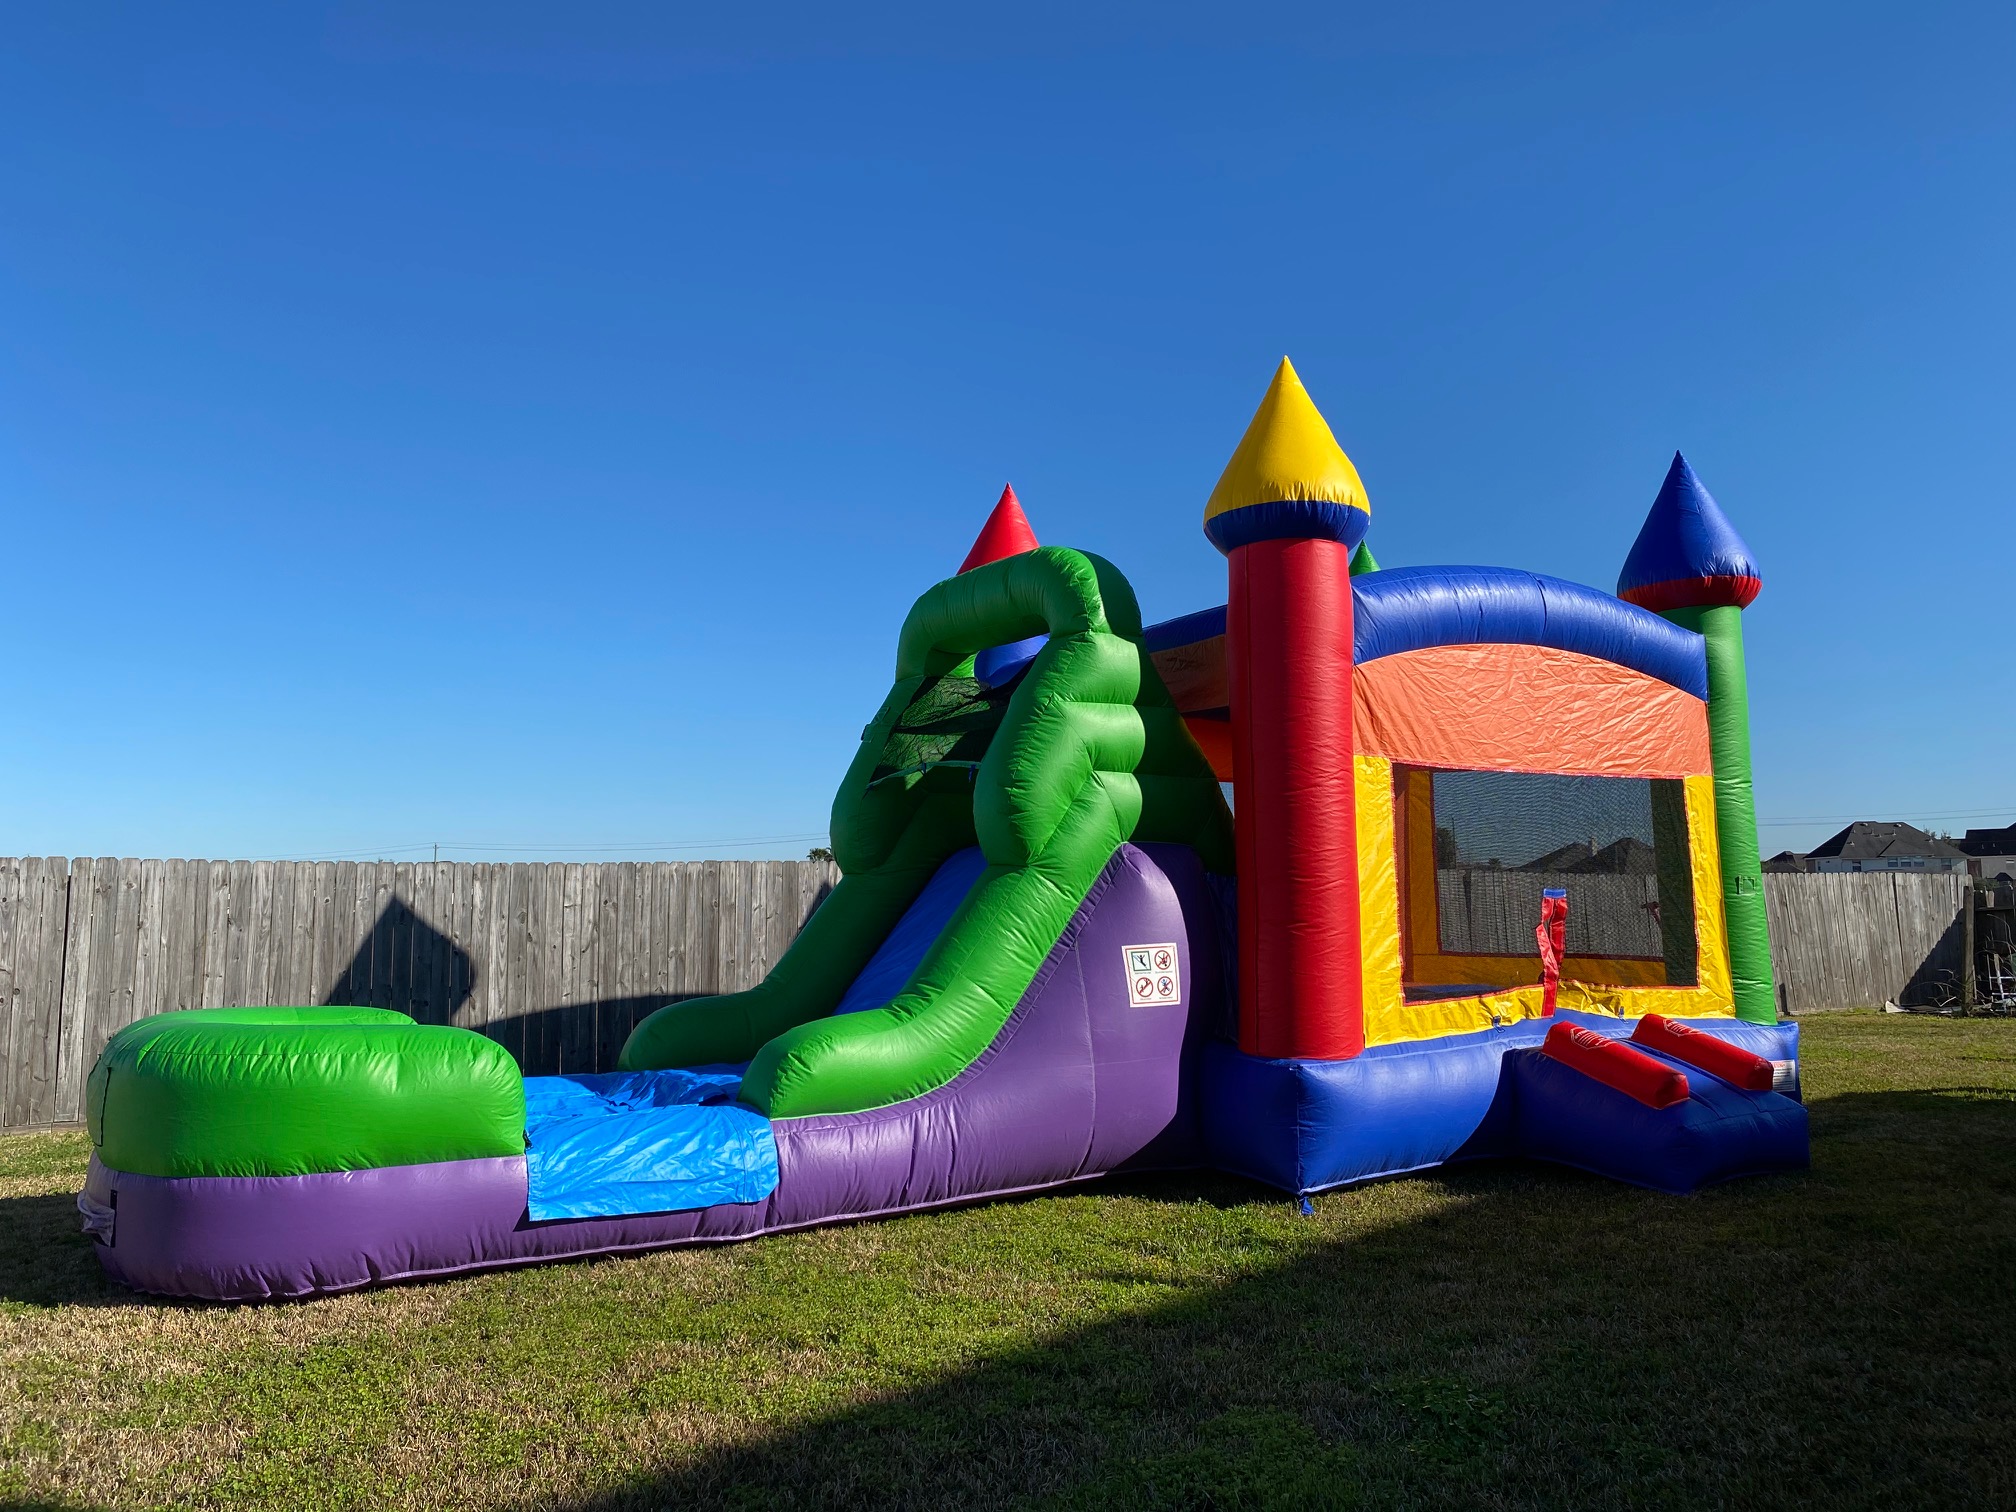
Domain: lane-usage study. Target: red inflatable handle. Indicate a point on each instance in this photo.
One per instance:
(1616, 1064)
(1553, 937)
(1717, 1057)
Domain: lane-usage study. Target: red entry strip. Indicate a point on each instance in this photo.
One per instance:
(1616, 1064)
(1717, 1057)
(1553, 937)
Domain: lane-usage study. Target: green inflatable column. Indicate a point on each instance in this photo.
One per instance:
(1721, 625)
(1691, 566)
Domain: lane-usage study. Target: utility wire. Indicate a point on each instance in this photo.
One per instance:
(491, 848)
(1901, 813)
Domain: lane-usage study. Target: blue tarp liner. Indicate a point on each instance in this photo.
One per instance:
(916, 932)
(643, 1142)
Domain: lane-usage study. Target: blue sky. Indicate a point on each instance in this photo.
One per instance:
(524, 429)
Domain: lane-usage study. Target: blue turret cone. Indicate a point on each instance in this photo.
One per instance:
(1687, 554)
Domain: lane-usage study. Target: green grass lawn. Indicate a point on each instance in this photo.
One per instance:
(1495, 1336)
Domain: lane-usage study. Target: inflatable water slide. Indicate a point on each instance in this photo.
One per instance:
(962, 1017)
(1053, 954)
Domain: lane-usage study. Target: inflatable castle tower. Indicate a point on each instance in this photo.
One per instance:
(1689, 565)
(1354, 699)
(1288, 512)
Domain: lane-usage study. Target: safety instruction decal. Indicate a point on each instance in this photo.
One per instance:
(1154, 976)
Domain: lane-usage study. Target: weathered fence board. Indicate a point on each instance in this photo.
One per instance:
(557, 962)
(34, 918)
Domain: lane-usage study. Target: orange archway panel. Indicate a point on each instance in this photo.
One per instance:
(1528, 709)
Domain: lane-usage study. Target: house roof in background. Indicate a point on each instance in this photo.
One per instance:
(1874, 840)
(1990, 842)
(1629, 855)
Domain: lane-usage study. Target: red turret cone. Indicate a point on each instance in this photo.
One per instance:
(1005, 534)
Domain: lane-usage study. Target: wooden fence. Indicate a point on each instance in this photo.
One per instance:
(558, 962)
(1856, 939)
(1838, 940)
(1492, 911)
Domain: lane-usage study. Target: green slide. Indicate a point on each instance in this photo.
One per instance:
(1048, 776)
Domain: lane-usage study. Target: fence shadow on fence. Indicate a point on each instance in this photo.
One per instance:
(438, 983)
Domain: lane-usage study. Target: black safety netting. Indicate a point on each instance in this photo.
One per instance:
(1616, 845)
(949, 722)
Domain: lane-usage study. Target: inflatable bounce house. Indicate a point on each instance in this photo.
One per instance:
(1492, 890)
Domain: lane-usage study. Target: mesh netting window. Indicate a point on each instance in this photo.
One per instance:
(1617, 845)
(949, 723)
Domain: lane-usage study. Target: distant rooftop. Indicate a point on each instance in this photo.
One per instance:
(1629, 856)
(1990, 842)
(1871, 840)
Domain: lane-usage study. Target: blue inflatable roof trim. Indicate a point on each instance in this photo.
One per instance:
(1185, 630)
(1412, 608)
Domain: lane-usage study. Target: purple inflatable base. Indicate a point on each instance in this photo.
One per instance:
(331, 1277)
(1078, 1084)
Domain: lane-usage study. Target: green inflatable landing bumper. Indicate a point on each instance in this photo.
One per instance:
(289, 1091)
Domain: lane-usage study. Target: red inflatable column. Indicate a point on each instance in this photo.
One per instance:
(1288, 650)
(1288, 513)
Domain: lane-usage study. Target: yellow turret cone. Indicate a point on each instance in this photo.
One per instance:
(1288, 476)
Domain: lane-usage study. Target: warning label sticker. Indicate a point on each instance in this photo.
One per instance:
(1154, 976)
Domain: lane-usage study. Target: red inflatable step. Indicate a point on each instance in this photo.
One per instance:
(1616, 1064)
(1717, 1057)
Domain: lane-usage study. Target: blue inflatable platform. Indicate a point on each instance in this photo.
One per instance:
(1305, 1126)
